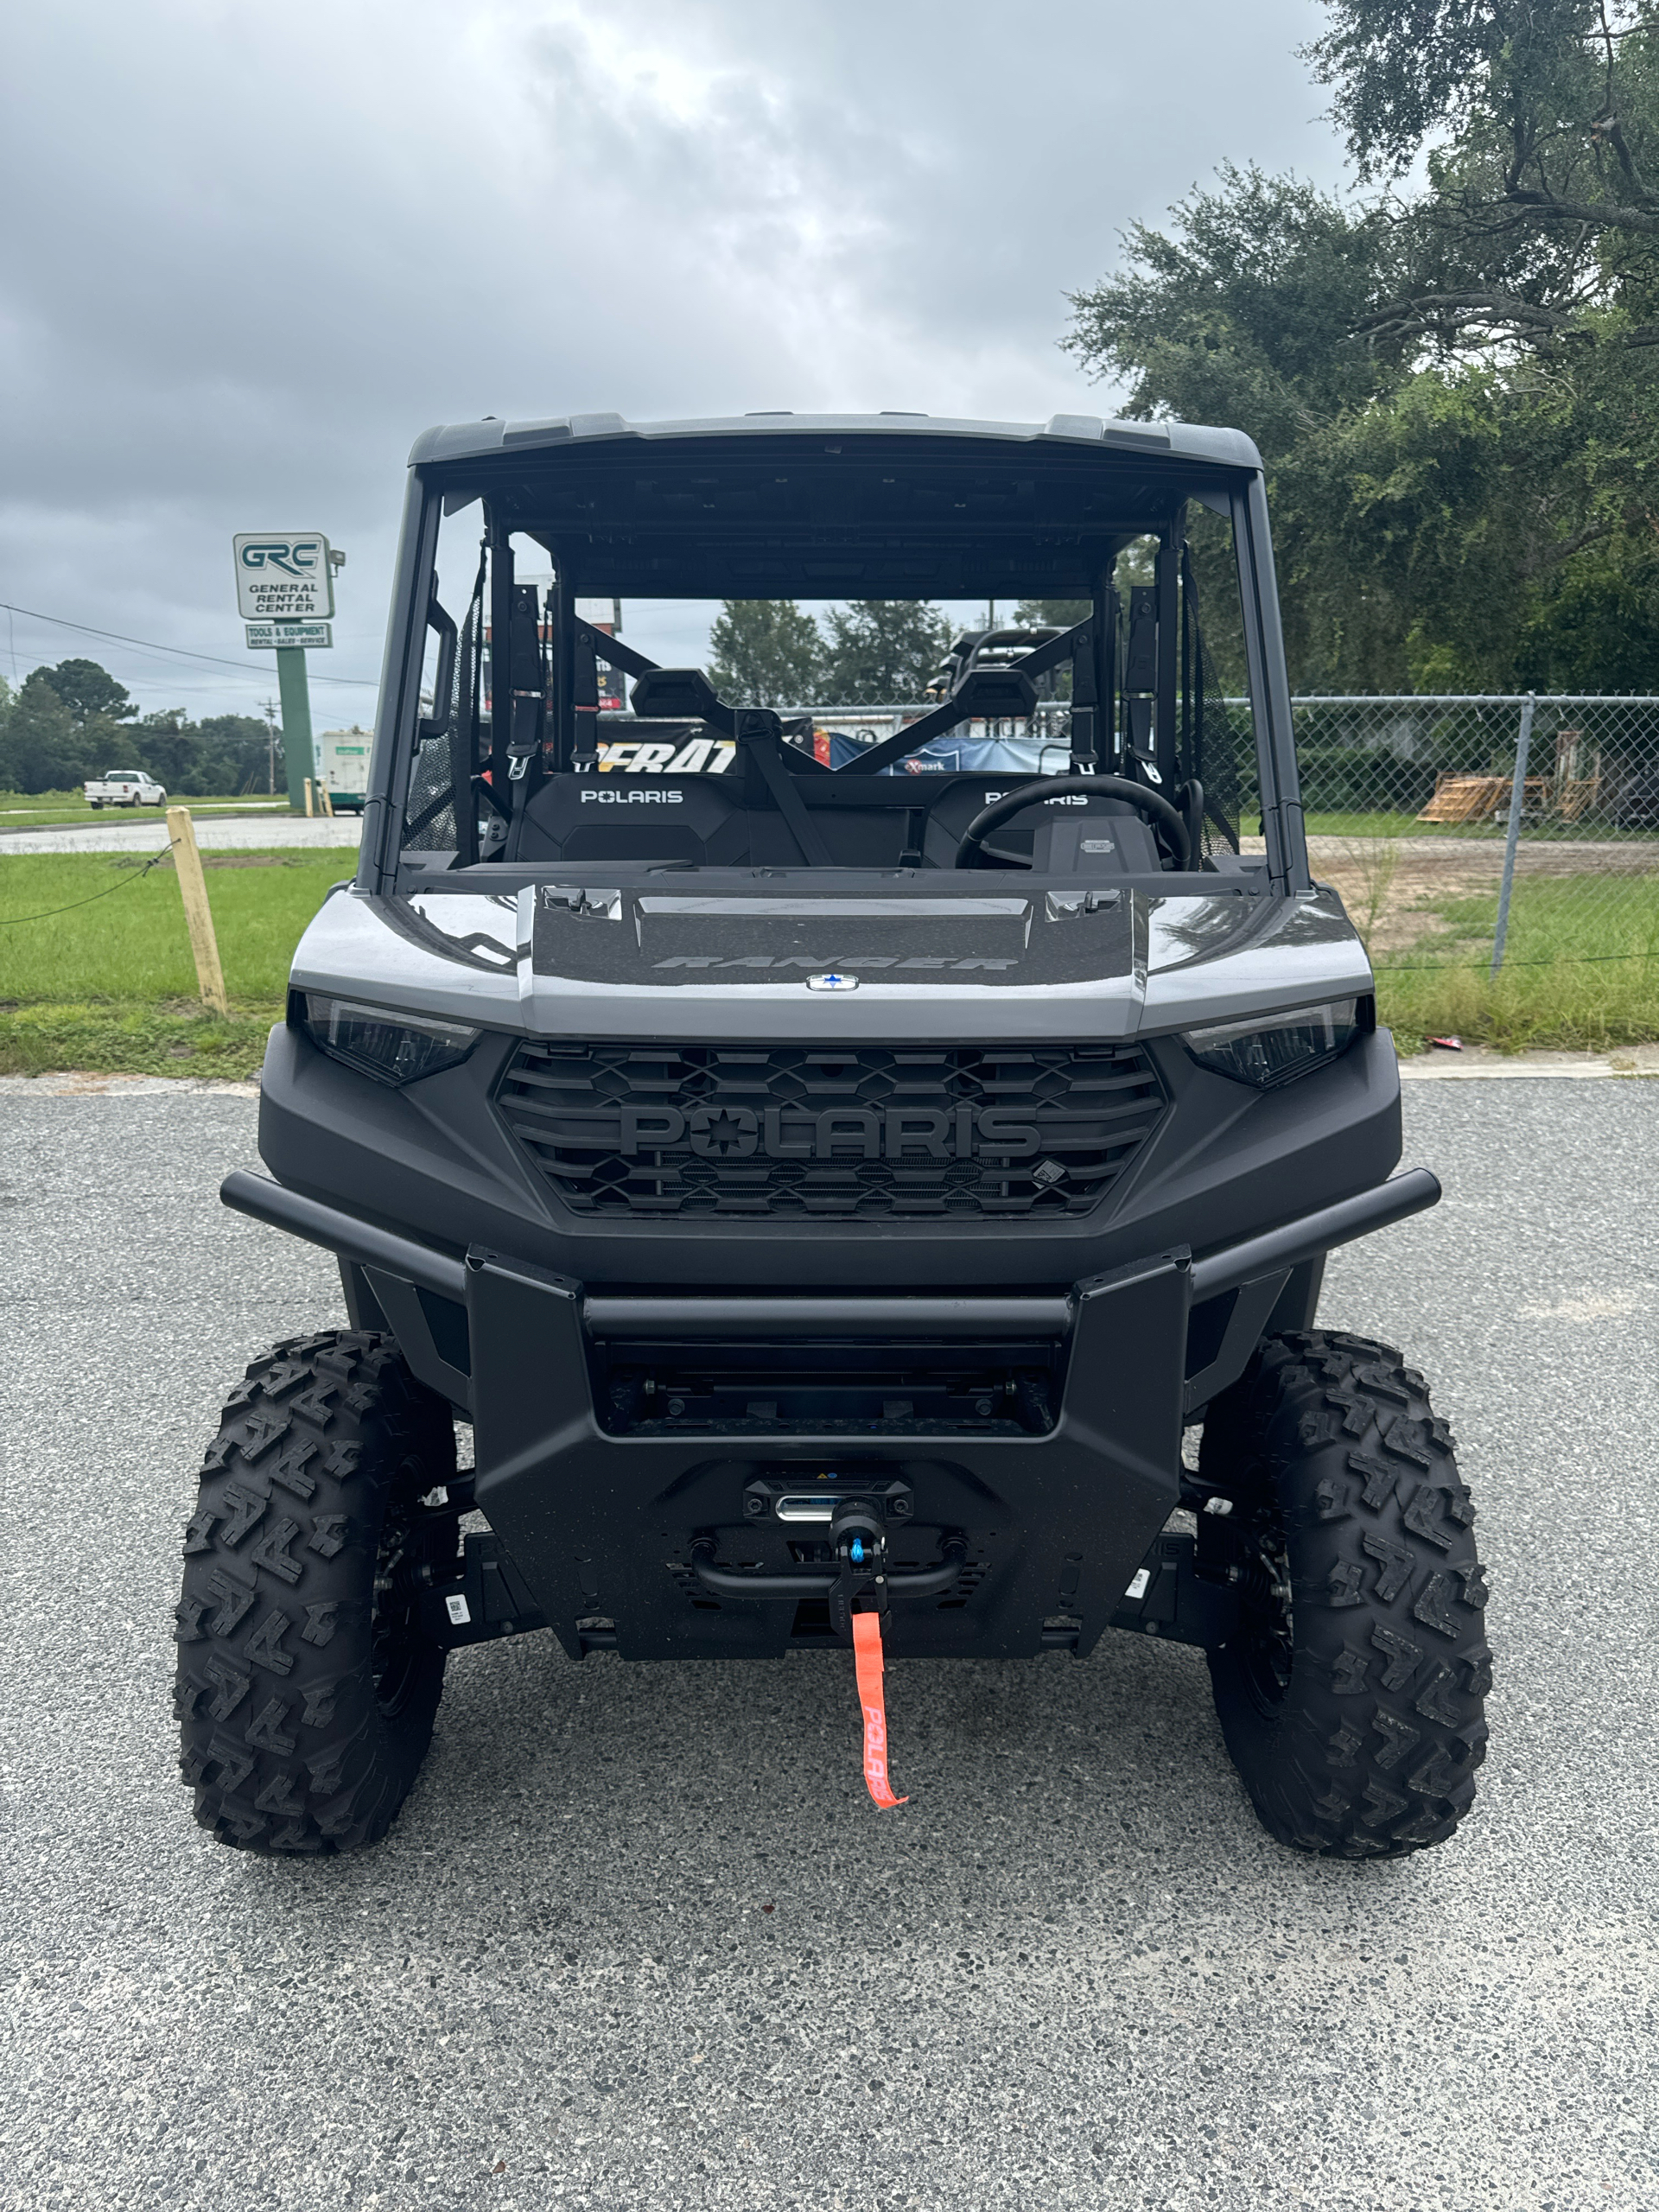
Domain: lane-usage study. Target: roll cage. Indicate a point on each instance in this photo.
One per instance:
(865, 508)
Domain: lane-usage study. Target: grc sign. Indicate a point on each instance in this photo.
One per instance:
(283, 576)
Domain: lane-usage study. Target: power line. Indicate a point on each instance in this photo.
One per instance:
(175, 652)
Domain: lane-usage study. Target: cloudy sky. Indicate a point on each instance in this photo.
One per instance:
(250, 252)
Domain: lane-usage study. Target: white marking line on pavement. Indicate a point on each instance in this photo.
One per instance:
(1634, 1060)
(1637, 1060)
(71, 1083)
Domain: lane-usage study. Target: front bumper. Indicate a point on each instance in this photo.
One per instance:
(608, 1522)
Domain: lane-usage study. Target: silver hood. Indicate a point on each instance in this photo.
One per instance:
(981, 962)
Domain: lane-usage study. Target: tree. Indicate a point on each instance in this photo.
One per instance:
(1062, 614)
(766, 652)
(40, 748)
(235, 753)
(87, 690)
(1245, 313)
(220, 756)
(882, 651)
(1447, 479)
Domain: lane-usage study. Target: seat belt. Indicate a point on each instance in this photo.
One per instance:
(759, 744)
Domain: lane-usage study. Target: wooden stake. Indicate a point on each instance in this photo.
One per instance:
(311, 798)
(198, 914)
(327, 796)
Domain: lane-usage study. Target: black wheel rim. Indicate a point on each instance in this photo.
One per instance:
(1266, 1638)
(395, 1647)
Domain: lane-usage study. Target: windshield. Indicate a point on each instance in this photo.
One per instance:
(560, 724)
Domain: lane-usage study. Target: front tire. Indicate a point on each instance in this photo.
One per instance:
(306, 1694)
(1351, 1697)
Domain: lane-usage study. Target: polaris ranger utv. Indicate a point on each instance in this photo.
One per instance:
(851, 1210)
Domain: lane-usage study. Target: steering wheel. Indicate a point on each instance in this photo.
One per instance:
(1152, 804)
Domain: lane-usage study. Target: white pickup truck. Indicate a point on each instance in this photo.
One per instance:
(124, 787)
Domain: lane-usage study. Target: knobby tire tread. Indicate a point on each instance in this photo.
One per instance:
(1329, 1442)
(288, 1742)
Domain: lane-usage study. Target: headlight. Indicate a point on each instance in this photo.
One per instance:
(1269, 1050)
(392, 1047)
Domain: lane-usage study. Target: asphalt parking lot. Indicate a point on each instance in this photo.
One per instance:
(638, 1940)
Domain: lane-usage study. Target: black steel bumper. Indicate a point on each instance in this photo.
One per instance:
(616, 1534)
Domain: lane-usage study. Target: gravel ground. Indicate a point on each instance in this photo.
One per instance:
(637, 1940)
(225, 833)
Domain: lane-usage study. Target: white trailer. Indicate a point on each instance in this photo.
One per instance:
(342, 768)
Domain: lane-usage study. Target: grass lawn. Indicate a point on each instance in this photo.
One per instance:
(47, 809)
(1407, 825)
(1391, 825)
(1580, 970)
(110, 984)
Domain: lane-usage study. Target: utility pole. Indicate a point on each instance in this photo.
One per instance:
(270, 762)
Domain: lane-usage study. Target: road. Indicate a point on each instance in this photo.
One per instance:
(224, 833)
(639, 1941)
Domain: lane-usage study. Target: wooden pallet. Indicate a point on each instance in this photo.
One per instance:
(1474, 798)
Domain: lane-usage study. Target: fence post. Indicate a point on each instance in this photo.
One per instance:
(198, 914)
(1518, 801)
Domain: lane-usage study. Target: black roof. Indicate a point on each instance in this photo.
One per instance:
(833, 507)
(1179, 441)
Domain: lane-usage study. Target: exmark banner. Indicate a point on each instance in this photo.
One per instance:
(283, 576)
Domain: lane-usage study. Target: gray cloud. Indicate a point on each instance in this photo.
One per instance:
(250, 257)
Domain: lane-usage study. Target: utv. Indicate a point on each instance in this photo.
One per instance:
(848, 1208)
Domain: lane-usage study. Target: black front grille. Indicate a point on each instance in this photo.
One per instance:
(988, 1131)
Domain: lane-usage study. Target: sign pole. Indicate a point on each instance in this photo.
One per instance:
(285, 594)
(297, 747)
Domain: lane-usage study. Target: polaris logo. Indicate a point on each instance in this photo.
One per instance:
(819, 967)
(841, 1132)
(647, 796)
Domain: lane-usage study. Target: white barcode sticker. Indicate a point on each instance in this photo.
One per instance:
(460, 1612)
(1138, 1589)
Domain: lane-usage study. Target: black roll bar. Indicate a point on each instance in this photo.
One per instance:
(771, 1320)
(774, 1317)
(344, 1233)
(1315, 1234)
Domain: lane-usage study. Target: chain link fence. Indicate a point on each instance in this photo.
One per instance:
(1463, 831)
(1498, 854)
(1488, 832)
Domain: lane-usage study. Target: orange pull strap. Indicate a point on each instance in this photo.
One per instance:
(867, 1660)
